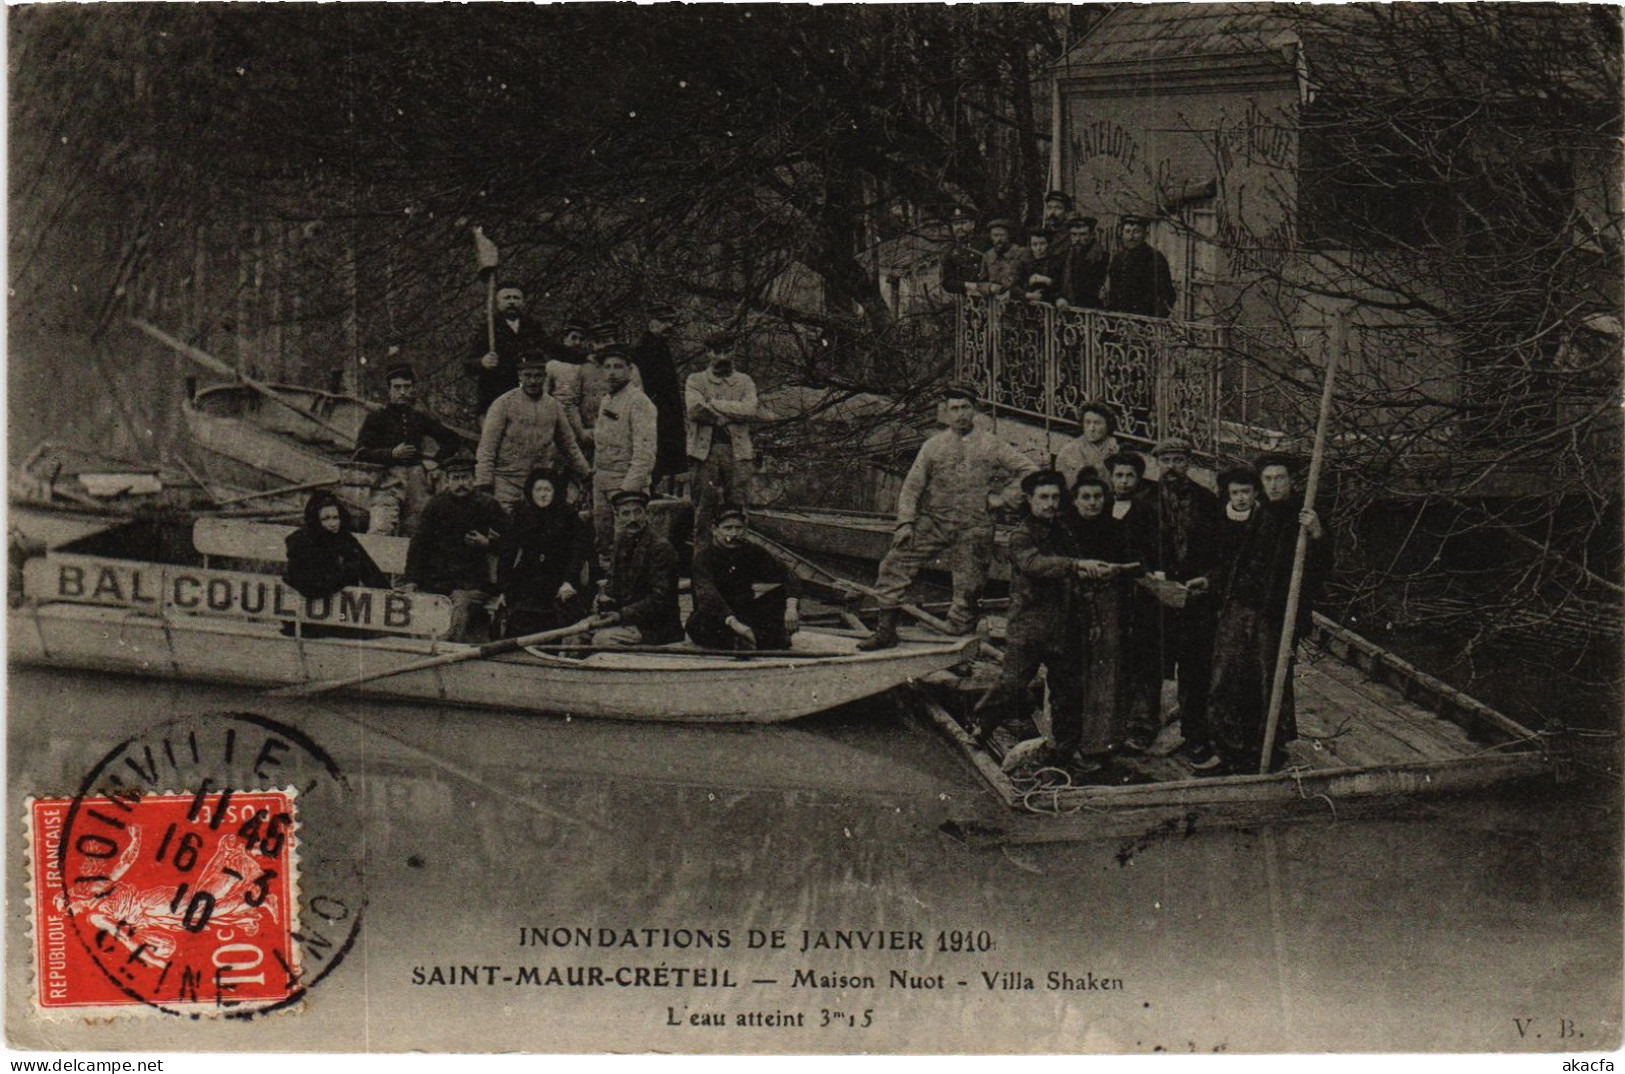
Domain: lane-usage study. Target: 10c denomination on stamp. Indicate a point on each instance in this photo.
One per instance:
(186, 902)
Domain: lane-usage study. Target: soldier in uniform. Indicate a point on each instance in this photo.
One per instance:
(1138, 279)
(720, 403)
(524, 430)
(946, 506)
(961, 262)
(393, 438)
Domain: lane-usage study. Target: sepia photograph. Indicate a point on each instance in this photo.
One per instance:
(773, 529)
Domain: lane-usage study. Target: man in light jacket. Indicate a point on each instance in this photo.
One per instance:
(524, 430)
(720, 402)
(626, 431)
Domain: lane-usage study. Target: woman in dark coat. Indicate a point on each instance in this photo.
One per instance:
(325, 557)
(539, 562)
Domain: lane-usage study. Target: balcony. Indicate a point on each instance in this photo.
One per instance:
(1161, 377)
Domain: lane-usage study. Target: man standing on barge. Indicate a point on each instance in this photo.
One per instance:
(946, 506)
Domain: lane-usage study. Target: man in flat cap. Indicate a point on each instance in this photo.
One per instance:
(500, 346)
(720, 404)
(657, 367)
(627, 437)
(396, 439)
(1187, 536)
(1047, 565)
(1138, 279)
(639, 602)
(1083, 275)
(743, 597)
(946, 506)
(579, 386)
(451, 553)
(525, 430)
(961, 262)
(1057, 204)
(1005, 266)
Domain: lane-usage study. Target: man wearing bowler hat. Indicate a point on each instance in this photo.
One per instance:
(500, 346)
(1084, 272)
(1005, 265)
(1057, 204)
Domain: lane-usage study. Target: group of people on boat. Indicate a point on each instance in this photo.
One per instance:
(535, 569)
(1117, 584)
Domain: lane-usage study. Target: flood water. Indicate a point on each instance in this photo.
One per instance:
(1448, 927)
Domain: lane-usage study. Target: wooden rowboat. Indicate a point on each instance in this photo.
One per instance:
(190, 623)
(255, 442)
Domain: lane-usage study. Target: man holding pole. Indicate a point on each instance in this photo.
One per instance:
(505, 338)
(1252, 617)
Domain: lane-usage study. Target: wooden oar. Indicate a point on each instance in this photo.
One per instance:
(914, 611)
(670, 650)
(480, 652)
(209, 361)
(1294, 590)
(303, 486)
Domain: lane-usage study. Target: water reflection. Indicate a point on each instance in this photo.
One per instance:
(1432, 932)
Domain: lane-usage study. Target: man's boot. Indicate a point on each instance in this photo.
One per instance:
(885, 635)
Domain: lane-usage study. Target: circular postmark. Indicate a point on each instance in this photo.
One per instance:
(209, 866)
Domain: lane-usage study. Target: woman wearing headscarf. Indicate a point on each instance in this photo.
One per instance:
(323, 554)
(540, 560)
(325, 557)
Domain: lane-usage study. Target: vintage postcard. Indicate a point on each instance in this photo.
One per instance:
(777, 529)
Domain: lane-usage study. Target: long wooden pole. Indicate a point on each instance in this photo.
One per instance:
(479, 652)
(491, 311)
(1294, 592)
(209, 361)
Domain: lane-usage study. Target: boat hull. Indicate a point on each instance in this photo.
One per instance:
(636, 686)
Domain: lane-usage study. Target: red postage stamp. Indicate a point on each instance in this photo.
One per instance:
(183, 903)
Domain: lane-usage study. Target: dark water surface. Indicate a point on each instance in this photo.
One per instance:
(1448, 928)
